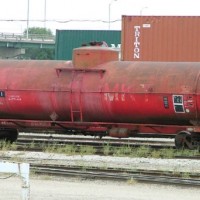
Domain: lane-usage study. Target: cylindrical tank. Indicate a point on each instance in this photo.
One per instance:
(151, 92)
(117, 92)
(34, 90)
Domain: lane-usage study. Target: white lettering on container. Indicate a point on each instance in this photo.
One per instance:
(118, 46)
(136, 43)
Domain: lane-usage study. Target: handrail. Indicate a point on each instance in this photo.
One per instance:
(31, 37)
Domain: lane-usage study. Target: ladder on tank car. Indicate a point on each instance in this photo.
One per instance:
(75, 95)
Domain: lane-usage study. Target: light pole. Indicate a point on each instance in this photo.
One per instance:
(45, 12)
(109, 12)
(142, 10)
(27, 20)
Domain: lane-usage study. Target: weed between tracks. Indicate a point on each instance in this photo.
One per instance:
(6, 146)
(142, 151)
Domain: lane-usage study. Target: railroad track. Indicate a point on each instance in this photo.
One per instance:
(51, 167)
(107, 146)
(35, 142)
(27, 139)
(98, 151)
(151, 176)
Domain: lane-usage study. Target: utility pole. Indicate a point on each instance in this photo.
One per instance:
(27, 20)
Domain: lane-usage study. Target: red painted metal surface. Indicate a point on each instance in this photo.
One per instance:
(119, 97)
(31, 90)
(87, 57)
(161, 38)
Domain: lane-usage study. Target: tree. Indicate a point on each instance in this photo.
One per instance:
(39, 31)
(39, 54)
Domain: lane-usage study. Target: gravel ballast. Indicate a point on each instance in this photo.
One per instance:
(49, 188)
(184, 165)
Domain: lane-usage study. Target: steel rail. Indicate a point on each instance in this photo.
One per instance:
(151, 176)
(133, 142)
(99, 147)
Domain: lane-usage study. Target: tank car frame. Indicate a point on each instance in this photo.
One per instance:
(185, 136)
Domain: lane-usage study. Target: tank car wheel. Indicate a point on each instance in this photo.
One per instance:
(9, 135)
(184, 140)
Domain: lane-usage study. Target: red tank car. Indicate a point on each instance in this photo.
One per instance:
(101, 96)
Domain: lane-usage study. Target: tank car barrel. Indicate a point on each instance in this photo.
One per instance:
(97, 93)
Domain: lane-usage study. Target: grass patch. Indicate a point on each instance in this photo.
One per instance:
(70, 149)
(187, 152)
(87, 150)
(65, 149)
(7, 146)
(132, 181)
(186, 175)
(143, 151)
(147, 152)
(107, 150)
(32, 145)
(126, 150)
(156, 154)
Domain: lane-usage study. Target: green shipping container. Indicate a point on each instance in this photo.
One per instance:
(67, 40)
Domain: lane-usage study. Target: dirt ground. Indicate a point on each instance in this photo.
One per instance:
(46, 188)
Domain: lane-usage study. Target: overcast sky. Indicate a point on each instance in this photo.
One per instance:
(85, 14)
